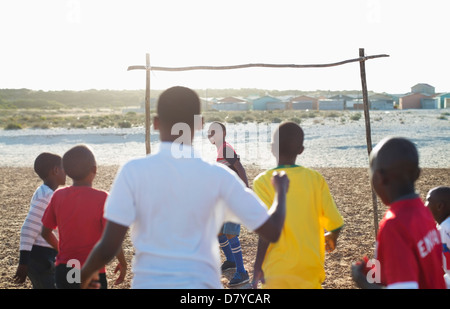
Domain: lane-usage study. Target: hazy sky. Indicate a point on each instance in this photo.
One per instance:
(85, 44)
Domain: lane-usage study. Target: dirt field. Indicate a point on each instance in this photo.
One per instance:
(349, 186)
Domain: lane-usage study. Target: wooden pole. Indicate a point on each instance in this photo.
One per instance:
(147, 106)
(264, 65)
(147, 99)
(368, 131)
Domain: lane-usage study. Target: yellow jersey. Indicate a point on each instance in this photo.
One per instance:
(297, 259)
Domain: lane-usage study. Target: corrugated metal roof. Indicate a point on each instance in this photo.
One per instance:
(231, 100)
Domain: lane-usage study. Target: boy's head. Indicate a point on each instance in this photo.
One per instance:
(394, 168)
(47, 165)
(176, 105)
(217, 132)
(438, 201)
(79, 162)
(287, 141)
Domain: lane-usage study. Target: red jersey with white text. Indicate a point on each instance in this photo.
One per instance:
(77, 212)
(409, 246)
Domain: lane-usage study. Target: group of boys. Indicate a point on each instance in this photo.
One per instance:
(181, 208)
(63, 225)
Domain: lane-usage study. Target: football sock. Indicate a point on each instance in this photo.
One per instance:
(225, 246)
(235, 245)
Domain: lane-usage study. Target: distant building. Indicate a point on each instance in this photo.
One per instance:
(443, 99)
(303, 102)
(273, 106)
(348, 100)
(412, 100)
(423, 88)
(230, 104)
(328, 104)
(268, 103)
(380, 101)
(341, 97)
(429, 103)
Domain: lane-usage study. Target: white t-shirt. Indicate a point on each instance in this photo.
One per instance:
(444, 229)
(30, 234)
(175, 207)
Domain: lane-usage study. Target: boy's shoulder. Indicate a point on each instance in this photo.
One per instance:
(290, 170)
(43, 191)
(296, 174)
(445, 226)
(82, 189)
(98, 191)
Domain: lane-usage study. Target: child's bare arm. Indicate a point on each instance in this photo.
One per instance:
(258, 274)
(104, 251)
(241, 171)
(48, 235)
(122, 267)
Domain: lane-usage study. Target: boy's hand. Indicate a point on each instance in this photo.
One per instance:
(280, 181)
(123, 271)
(21, 274)
(91, 283)
(359, 272)
(358, 275)
(258, 276)
(330, 241)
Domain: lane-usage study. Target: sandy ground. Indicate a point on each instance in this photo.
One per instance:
(349, 186)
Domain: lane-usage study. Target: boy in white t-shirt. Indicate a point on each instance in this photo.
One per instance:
(37, 257)
(438, 201)
(175, 203)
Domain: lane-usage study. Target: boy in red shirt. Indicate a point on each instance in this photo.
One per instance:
(408, 251)
(229, 236)
(77, 212)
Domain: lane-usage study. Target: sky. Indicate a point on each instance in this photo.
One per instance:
(89, 44)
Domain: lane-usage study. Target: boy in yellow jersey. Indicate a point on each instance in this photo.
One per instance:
(312, 223)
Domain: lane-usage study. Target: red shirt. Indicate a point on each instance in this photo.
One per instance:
(409, 246)
(227, 156)
(77, 212)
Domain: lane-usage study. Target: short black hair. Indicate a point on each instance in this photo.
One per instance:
(45, 162)
(78, 162)
(394, 151)
(217, 123)
(396, 155)
(178, 105)
(289, 138)
(443, 192)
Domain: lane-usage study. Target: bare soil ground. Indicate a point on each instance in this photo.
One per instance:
(349, 186)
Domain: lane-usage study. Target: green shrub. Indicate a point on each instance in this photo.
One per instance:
(213, 118)
(41, 126)
(124, 124)
(296, 120)
(276, 120)
(78, 126)
(356, 116)
(238, 118)
(332, 114)
(13, 126)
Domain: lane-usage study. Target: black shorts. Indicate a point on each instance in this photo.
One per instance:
(65, 278)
